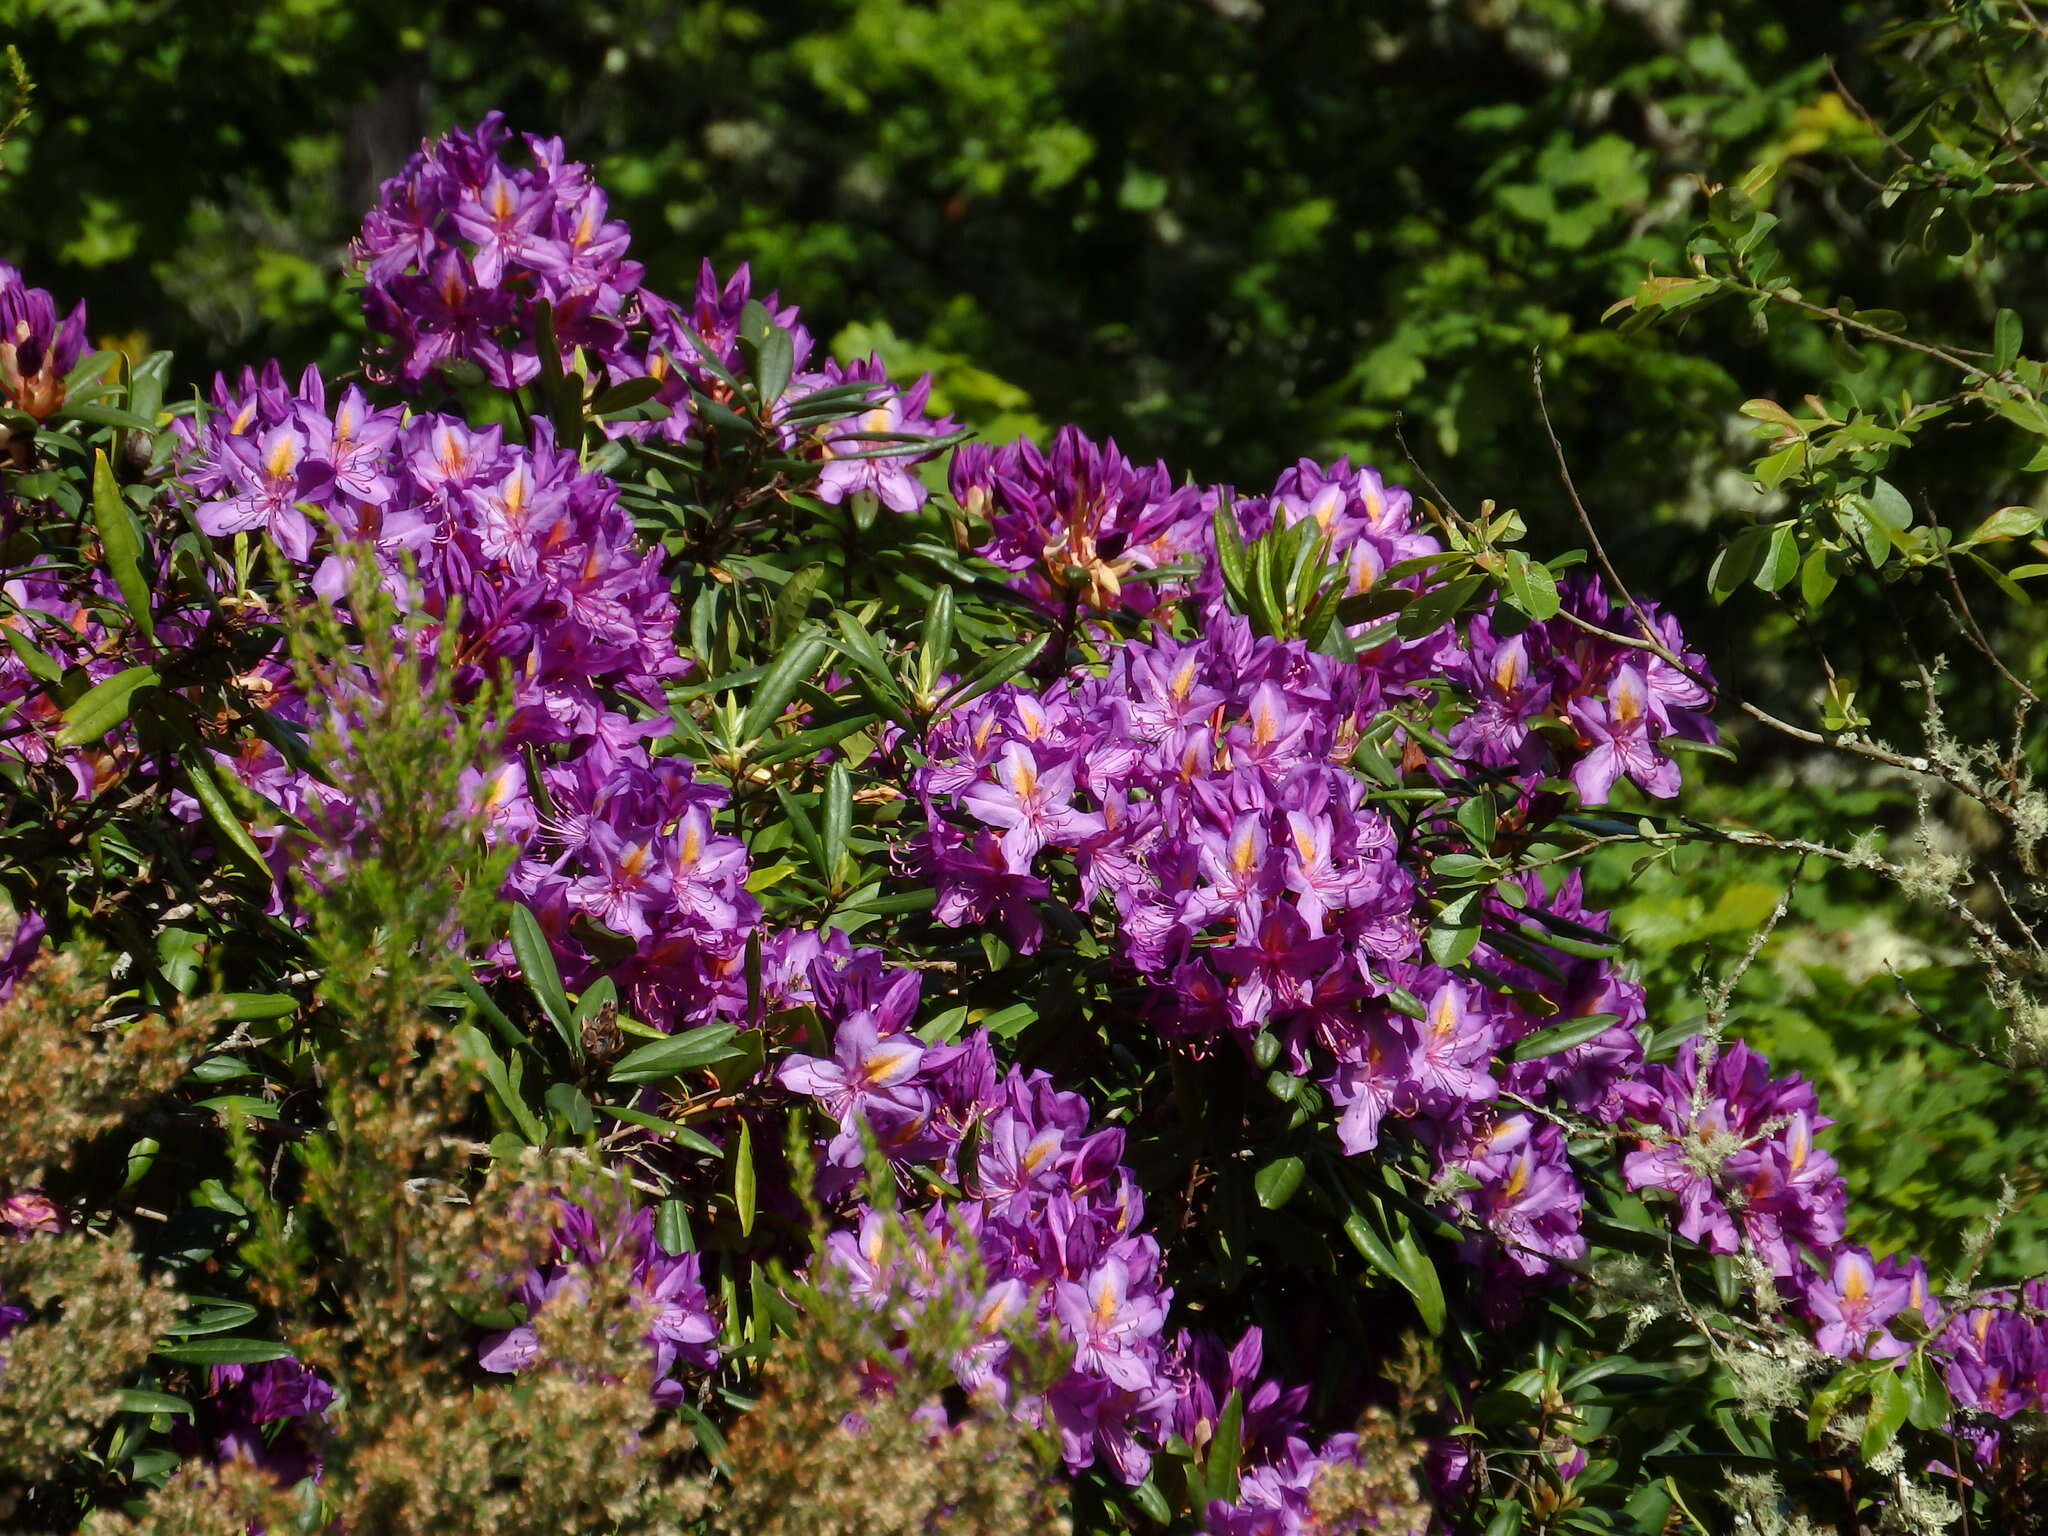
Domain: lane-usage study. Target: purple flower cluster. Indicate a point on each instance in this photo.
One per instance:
(268, 1415)
(539, 568)
(1046, 1198)
(37, 350)
(1201, 792)
(1081, 525)
(1998, 1351)
(681, 1331)
(1734, 1147)
(462, 248)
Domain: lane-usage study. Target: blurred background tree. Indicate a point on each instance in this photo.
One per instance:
(1230, 233)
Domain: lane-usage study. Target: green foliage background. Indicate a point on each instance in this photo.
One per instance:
(1230, 234)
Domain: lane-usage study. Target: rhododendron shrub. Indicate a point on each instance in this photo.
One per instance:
(1116, 938)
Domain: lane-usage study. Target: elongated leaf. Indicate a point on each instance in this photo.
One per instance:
(1530, 587)
(997, 670)
(1562, 1037)
(121, 542)
(672, 1227)
(743, 1178)
(838, 820)
(43, 668)
(501, 1081)
(793, 602)
(104, 416)
(2005, 341)
(104, 706)
(199, 778)
(224, 1351)
(1226, 1445)
(537, 964)
(134, 1400)
(255, 1007)
(681, 1135)
(793, 665)
(776, 360)
(215, 1316)
(660, 1059)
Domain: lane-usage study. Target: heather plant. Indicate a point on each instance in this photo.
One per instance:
(766, 965)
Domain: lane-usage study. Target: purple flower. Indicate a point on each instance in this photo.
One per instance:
(1853, 1304)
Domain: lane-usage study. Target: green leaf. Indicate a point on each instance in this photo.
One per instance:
(104, 416)
(104, 706)
(44, 669)
(1816, 578)
(255, 1007)
(997, 670)
(1276, 1183)
(626, 394)
(1151, 1502)
(199, 777)
(501, 1081)
(134, 1400)
(1454, 932)
(1888, 1409)
(2006, 523)
(2005, 341)
(672, 1227)
(1736, 563)
(794, 602)
(1230, 551)
(224, 1351)
(681, 1135)
(1562, 1037)
(777, 360)
(216, 1316)
(792, 666)
(1387, 1245)
(536, 962)
(1226, 1445)
(1781, 558)
(121, 542)
(693, 1048)
(743, 1178)
(1531, 588)
(836, 821)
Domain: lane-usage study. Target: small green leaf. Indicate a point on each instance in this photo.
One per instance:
(792, 666)
(1226, 1445)
(199, 777)
(2006, 523)
(2005, 341)
(104, 706)
(255, 1007)
(681, 1135)
(224, 1351)
(1276, 1183)
(536, 962)
(672, 1227)
(626, 394)
(1888, 1408)
(1531, 588)
(134, 1400)
(43, 668)
(1816, 578)
(694, 1048)
(1562, 1037)
(1781, 558)
(743, 1178)
(794, 602)
(121, 542)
